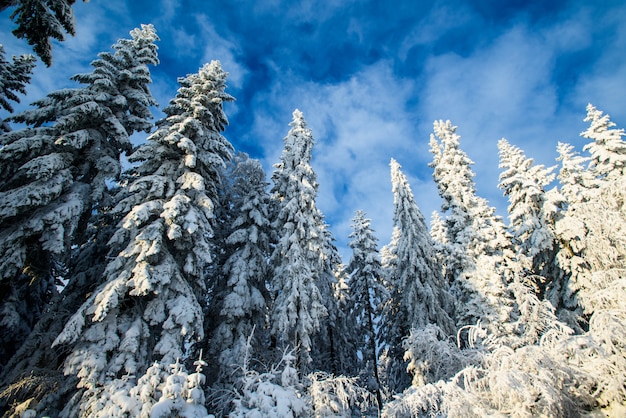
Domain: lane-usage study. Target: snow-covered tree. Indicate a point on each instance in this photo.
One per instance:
(334, 346)
(524, 374)
(607, 146)
(242, 302)
(480, 260)
(367, 294)
(276, 392)
(419, 294)
(592, 232)
(298, 308)
(593, 246)
(55, 174)
(150, 304)
(39, 20)
(532, 212)
(13, 79)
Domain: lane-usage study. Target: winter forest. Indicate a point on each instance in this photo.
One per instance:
(187, 282)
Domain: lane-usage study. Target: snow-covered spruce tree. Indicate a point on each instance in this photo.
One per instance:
(13, 79)
(242, 299)
(592, 246)
(298, 309)
(150, 304)
(418, 292)
(367, 294)
(54, 175)
(333, 348)
(39, 20)
(532, 212)
(480, 257)
(593, 234)
(607, 147)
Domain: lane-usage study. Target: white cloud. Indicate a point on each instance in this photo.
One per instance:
(219, 48)
(502, 90)
(358, 125)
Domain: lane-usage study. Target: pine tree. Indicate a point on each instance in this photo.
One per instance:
(480, 260)
(39, 20)
(150, 304)
(243, 298)
(367, 294)
(13, 79)
(55, 174)
(298, 308)
(419, 294)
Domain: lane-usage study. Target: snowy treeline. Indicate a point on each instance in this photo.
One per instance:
(189, 285)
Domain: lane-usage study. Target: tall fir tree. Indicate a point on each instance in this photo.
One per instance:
(532, 213)
(243, 299)
(367, 295)
(298, 308)
(55, 174)
(591, 245)
(481, 260)
(419, 294)
(150, 306)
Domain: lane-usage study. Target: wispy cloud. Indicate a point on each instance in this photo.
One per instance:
(358, 124)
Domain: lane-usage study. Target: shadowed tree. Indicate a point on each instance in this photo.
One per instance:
(55, 175)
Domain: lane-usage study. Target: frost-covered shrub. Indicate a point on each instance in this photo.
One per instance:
(432, 356)
(338, 396)
(275, 393)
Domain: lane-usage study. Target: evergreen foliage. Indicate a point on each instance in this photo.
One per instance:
(243, 299)
(39, 20)
(479, 256)
(419, 295)
(367, 295)
(150, 304)
(297, 259)
(56, 173)
(13, 80)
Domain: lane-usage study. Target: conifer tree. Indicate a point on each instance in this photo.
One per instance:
(55, 174)
(150, 306)
(334, 346)
(607, 148)
(243, 300)
(419, 294)
(592, 245)
(367, 294)
(532, 212)
(480, 261)
(39, 20)
(298, 308)
(13, 79)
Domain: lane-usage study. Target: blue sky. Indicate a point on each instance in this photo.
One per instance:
(372, 76)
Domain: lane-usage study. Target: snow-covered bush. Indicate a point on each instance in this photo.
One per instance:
(275, 393)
